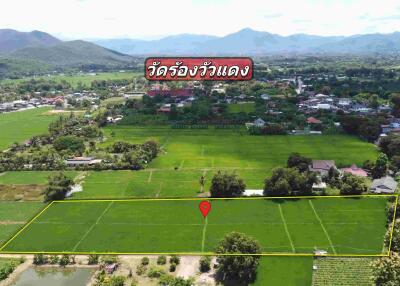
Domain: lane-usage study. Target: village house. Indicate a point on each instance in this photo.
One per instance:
(344, 102)
(115, 119)
(312, 120)
(259, 122)
(82, 161)
(392, 127)
(385, 185)
(355, 171)
(322, 166)
(165, 91)
(360, 108)
(265, 96)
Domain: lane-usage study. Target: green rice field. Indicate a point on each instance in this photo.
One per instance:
(337, 271)
(29, 177)
(75, 79)
(22, 125)
(291, 226)
(186, 155)
(245, 107)
(288, 271)
(13, 215)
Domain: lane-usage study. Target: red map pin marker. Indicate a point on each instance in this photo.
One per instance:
(205, 208)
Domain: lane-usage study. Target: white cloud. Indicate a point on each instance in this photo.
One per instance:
(128, 18)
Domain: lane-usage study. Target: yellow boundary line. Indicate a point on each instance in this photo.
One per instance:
(200, 253)
(393, 222)
(26, 225)
(215, 199)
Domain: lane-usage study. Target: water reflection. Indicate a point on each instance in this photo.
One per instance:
(41, 276)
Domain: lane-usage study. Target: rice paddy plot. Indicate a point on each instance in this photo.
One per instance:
(340, 226)
(22, 125)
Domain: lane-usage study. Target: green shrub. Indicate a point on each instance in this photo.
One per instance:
(161, 260)
(93, 259)
(205, 264)
(7, 269)
(54, 259)
(172, 267)
(64, 260)
(117, 281)
(145, 261)
(155, 272)
(141, 269)
(40, 259)
(109, 259)
(175, 259)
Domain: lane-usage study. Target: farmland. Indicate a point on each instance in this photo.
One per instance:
(274, 271)
(343, 271)
(337, 225)
(13, 215)
(216, 148)
(186, 155)
(26, 185)
(21, 125)
(246, 107)
(29, 177)
(75, 79)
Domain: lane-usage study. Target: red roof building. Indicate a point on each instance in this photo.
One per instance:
(355, 171)
(176, 92)
(312, 120)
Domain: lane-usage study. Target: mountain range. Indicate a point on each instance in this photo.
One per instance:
(37, 51)
(41, 50)
(251, 42)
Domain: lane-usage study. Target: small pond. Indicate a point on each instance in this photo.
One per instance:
(41, 276)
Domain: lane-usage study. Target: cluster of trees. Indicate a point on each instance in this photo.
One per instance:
(295, 180)
(7, 268)
(57, 187)
(226, 185)
(75, 136)
(132, 156)
(390, 145)
(269, 129)
(386, 270)
(67, 137)
(64, 260)
(289, 182)
(368, 128)
(237, 269)
(41, 85)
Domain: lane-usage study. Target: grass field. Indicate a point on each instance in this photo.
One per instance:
(204, 152)
(13, 215)
(113, 101)
(227, 148)
(337, 225)
(21, 125)
(288, 271)
(29, 177)
(75, 79)
(343, 272)
(245, 107)
(25, 185)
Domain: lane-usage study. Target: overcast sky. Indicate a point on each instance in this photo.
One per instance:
(84, 19)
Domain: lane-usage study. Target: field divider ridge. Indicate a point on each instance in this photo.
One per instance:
(323, 227)
(215, 199)
(286, 228)
(393, 221)
(111, 201)
(203, 240)
(92, 227)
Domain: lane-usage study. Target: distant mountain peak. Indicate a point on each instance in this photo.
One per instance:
(12, 40)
